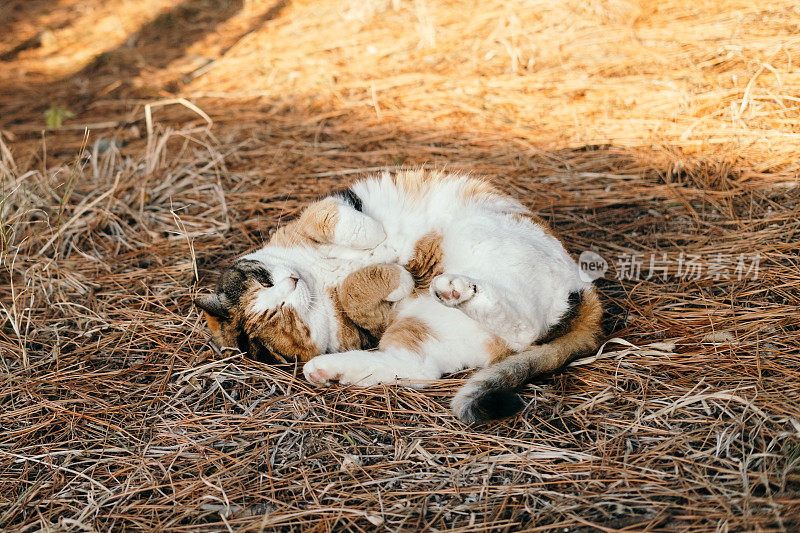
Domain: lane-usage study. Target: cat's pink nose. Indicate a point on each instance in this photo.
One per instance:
(293, 281)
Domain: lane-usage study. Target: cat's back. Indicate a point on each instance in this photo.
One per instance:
(481, 229)
(424, 200)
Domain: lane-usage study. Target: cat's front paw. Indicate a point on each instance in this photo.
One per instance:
(348, 368)
(359, 231)
(316, 371)
(405, 286)
(384, 253)
(453, 290)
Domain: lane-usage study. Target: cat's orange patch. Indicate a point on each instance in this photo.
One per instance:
(213, 325)
(280, 330)
(362, 296)
(289, 335)
(316, 225)
(585, 329)
(497, 349)
(417, 183)
(348, 334)
(407, 332)
(476, 189)
(284, 236)
(426, 262)
(223, 331)
(578, 336)
(321, 219)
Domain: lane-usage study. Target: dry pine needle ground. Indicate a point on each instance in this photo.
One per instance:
(636, 128)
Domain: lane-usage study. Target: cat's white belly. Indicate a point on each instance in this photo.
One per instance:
(525, 267)
(457, 341)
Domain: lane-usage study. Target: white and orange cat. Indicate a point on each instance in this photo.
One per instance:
(408, 277)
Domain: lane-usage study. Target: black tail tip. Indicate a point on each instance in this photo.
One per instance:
(491, 405)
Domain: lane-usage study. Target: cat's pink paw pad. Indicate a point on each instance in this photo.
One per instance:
(453, 290)
(450, 295)
(318, 375)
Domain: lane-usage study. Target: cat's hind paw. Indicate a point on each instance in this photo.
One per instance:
(453, 290)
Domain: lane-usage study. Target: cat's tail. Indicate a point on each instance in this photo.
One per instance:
(491, 393)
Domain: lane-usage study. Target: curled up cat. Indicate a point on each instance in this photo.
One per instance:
(407, 277)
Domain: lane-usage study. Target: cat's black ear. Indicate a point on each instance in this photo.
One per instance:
(215, 305)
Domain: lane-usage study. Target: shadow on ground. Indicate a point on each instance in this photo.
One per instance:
(136, 69)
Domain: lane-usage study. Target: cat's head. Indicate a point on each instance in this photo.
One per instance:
(266, 308)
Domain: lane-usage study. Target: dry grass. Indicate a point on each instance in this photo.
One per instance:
(636, 128)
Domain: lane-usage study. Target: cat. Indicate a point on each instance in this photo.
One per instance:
(484, 283)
